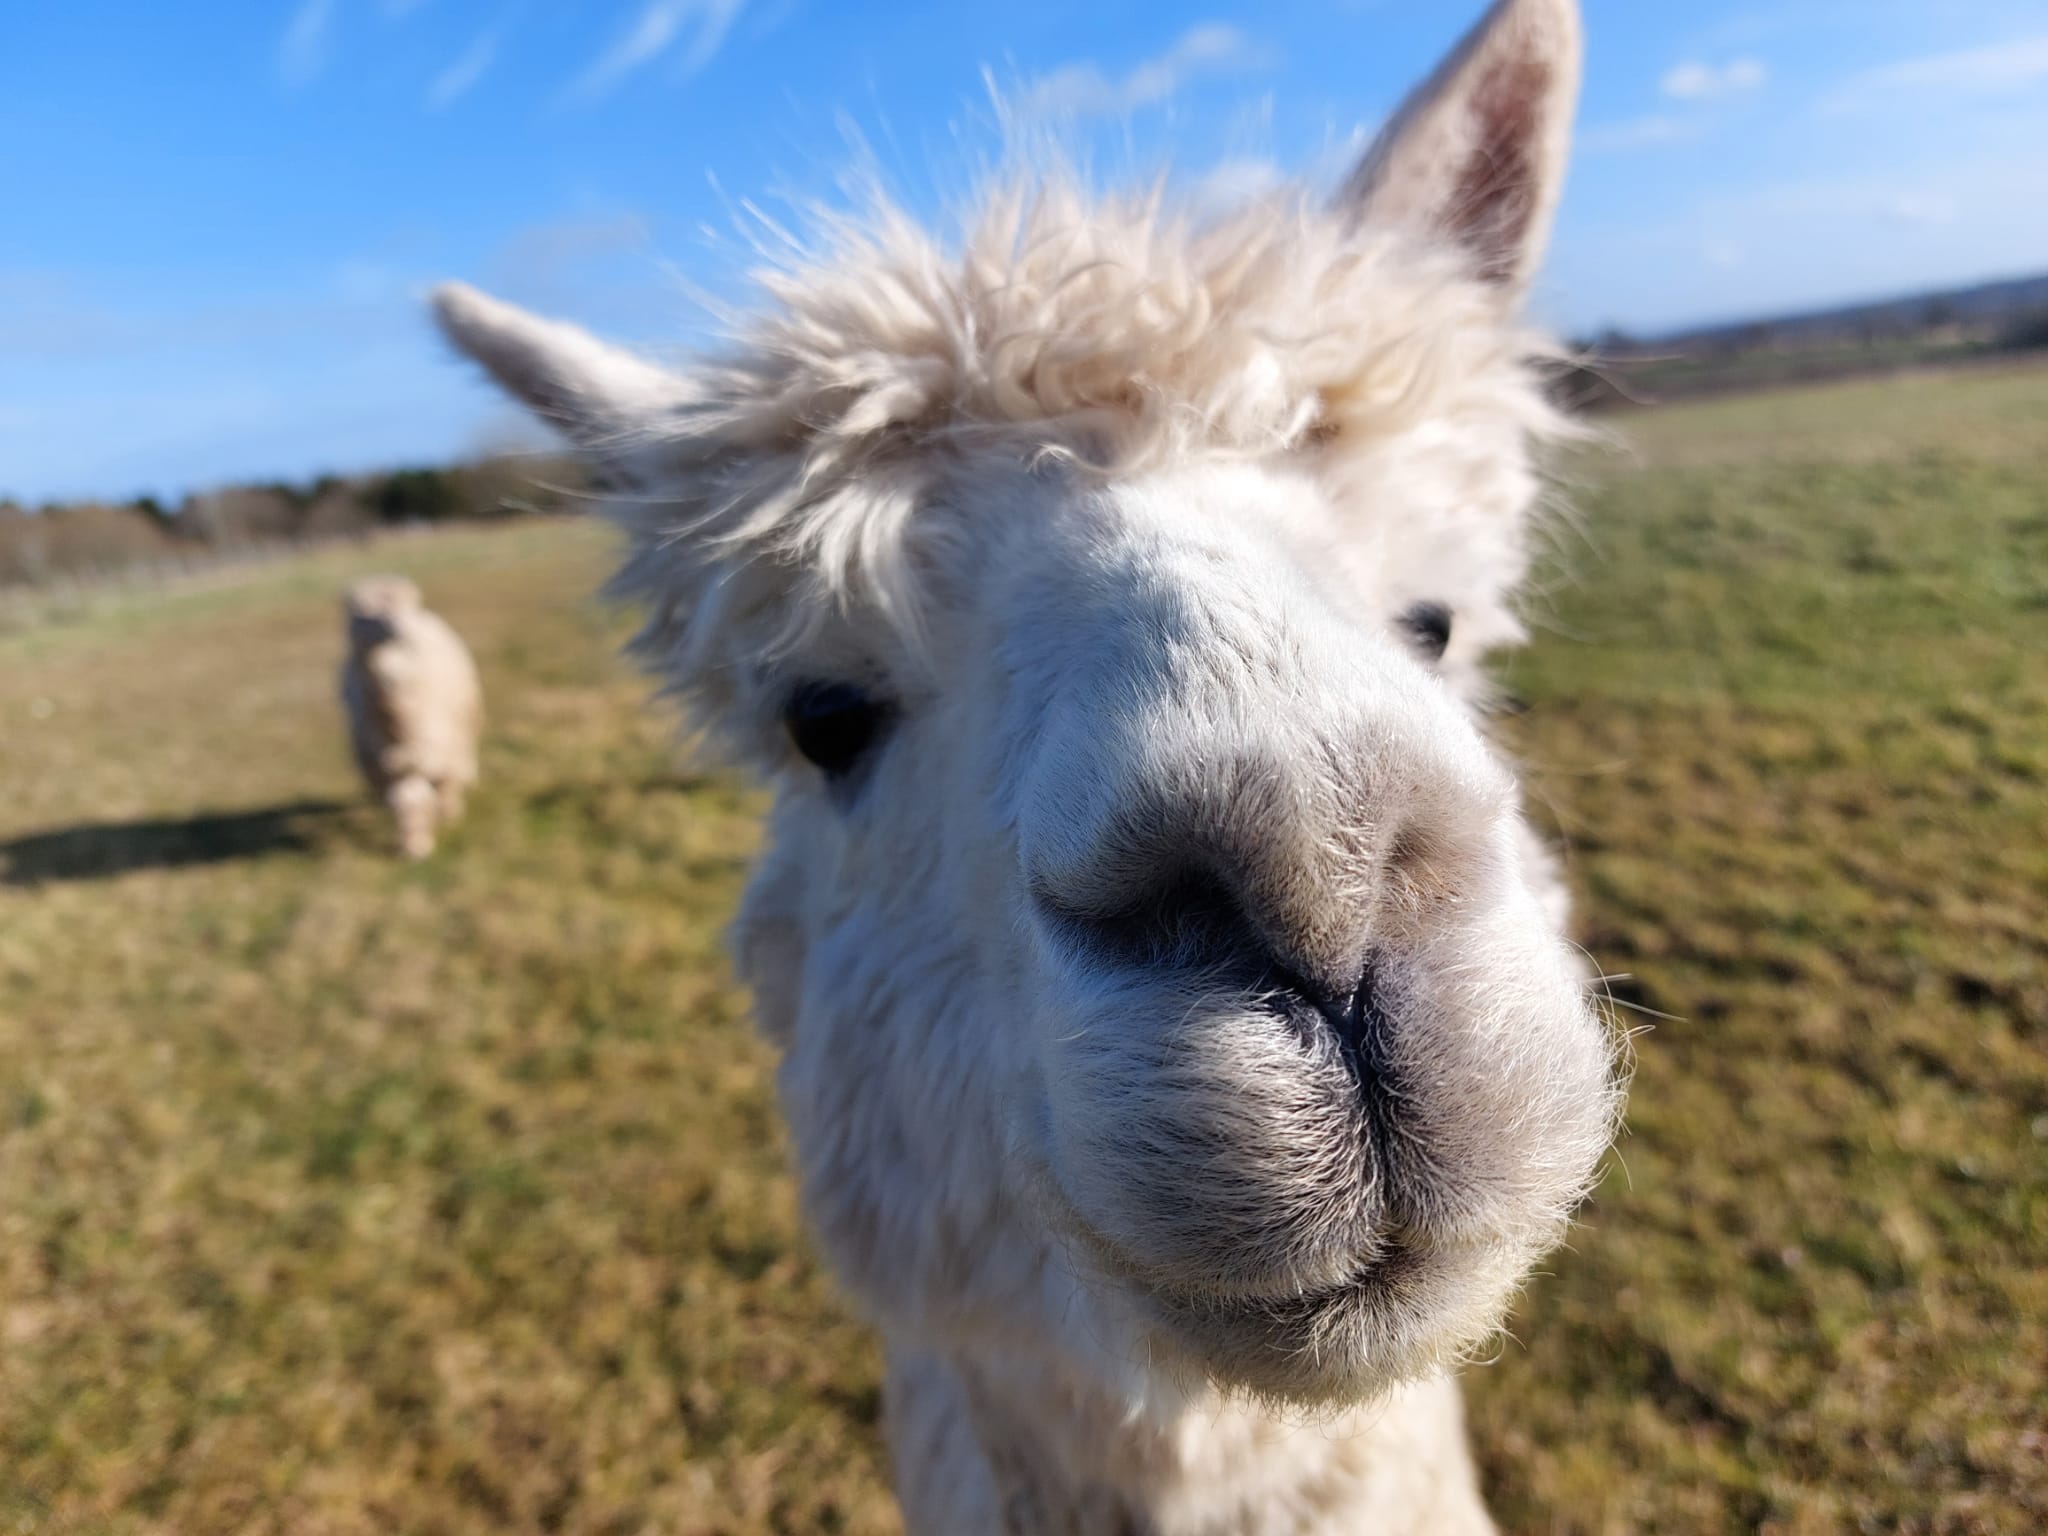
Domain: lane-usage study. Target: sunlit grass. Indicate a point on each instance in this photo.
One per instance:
(1791, 715)
(338, 1195)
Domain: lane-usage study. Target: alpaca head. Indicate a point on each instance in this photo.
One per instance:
(374, 606)
(1163, 969)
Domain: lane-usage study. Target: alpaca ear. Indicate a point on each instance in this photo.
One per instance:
(1477, 153)
(566, 376)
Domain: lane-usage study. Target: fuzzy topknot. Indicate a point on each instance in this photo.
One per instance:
(1112, 334)
(1124, 331)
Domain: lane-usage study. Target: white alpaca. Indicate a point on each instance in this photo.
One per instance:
(1182, 1058)
(414, 707)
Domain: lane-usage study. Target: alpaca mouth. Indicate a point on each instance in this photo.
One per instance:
(1402, 1316)
(1314, 1202)
(1396, 1304)
(1380, 1261)
(1377, 1280)
(1383, 1265)
(1402, 1313)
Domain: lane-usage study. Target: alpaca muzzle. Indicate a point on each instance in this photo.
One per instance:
(1320, 1078)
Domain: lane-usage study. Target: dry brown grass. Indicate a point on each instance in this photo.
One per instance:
(338, 1195)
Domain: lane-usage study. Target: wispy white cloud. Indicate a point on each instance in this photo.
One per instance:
(600, 266)
(541, 255)
(1696, 80)
(716, 19)
(1084, 90)
(650, 35)
(1901, 221)
(1919, 208)
(1694, 83)
(1629, 133)
(71, 322)
(1997, 70)
(644, 41)
(1235, 182)
(302, 53)
(463, 72)
(361, 280)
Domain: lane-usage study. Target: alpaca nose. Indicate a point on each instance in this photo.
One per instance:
(1196, 920)
(1200, 920)
(1270, 872)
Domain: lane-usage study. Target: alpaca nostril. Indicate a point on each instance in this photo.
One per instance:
(1190, 918)
(1194, 919)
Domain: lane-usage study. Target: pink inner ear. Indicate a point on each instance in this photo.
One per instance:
(1497, 188)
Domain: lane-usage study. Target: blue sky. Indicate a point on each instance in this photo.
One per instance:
(216, 219)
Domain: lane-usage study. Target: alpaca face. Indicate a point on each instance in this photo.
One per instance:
(1163, 969)
(1312, 1074)
(1177, 935)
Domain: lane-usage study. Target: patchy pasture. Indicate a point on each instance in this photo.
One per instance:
(338, 1195)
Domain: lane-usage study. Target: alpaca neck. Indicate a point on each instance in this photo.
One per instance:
(1018, 1445)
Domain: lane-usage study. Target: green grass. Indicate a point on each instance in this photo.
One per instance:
(1791, 717)
(343, 1196)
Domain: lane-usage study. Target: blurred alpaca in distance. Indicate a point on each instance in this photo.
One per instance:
(414, 705)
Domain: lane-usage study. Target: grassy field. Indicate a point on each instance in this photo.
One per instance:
(341, 1196)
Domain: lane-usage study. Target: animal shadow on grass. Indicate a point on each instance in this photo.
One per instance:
(100, 850)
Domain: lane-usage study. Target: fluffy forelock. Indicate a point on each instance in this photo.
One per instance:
(1106, 334)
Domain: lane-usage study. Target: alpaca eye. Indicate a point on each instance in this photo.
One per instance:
(833, 724)
(1429, 626)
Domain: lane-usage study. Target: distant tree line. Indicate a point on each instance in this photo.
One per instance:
(1612, 369)
(65, 542)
